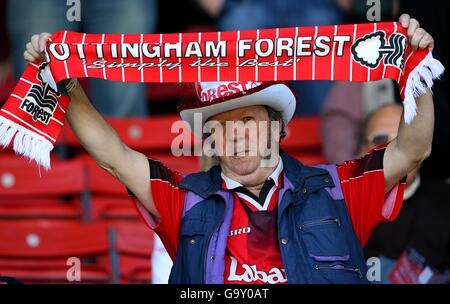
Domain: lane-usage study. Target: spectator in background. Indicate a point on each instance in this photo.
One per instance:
(344, 112)
(5, 64)
(99, 16)
(436, 19)
(346, 106)
(244, 15)
(357, 11)
(421, 231)
(349, 103)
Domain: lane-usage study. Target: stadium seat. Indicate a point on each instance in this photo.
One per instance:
(91, 275)
(134, 247)
(165, 91)
(32, 209)
(25, 179)
(38, 252)
(143, 134)
(309, 159)
(28, 192)
(113, 209)
(303, 133)
(303, 140)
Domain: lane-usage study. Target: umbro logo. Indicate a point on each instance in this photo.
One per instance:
(239, 231)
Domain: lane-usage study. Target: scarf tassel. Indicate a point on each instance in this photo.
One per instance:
(25, 143)
(419, 81)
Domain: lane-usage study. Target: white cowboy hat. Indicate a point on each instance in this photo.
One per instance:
(218, 97)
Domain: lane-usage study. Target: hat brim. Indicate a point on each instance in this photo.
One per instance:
(277, 96)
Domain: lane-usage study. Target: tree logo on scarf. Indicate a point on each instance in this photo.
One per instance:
(370, 50)
(41, 100)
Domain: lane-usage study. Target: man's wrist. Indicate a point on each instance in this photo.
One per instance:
(67, 86)
(70, 85)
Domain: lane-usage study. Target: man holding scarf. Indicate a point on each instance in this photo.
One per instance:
(249, 221)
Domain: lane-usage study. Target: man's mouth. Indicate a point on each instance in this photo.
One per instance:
(241, 153)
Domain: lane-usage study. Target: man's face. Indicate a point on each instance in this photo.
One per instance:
(242, 139)
(383, 128)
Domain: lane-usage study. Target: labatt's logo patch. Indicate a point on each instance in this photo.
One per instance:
(249, 274)
(41, 100)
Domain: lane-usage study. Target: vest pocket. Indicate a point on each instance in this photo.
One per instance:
(192, 230)
(328, 250)
(325, 220)
(338, 270)
(324, 239)
(189, 265)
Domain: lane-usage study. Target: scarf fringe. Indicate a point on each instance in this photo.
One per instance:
(419, 81)
(26, 143)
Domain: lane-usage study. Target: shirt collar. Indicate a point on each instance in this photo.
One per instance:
(232, 184)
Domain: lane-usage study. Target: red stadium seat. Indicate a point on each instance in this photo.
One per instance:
(24, 179)
(111, 209)
(309, 159)
(29, 209)
(91, 275)
(39, 251)
(134, 247)
(28, 192)
(165, 91)
(143, 134)
(303, 133)
(303, 140)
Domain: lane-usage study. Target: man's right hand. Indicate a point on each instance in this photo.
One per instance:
(35, 48)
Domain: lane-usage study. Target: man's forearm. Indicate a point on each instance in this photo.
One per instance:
(414, 140)
(94, 133)
(413, 143)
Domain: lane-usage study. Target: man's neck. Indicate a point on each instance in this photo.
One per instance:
(256, 190)
(253, 181)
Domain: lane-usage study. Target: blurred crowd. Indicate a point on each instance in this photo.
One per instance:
(355, 117)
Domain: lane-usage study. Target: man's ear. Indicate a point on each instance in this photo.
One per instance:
(282, 130)
(277, 130)
(282, 133)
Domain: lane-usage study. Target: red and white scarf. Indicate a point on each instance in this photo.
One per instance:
(33, 115)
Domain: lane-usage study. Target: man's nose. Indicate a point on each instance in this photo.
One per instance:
(236, 135)
(238, 139)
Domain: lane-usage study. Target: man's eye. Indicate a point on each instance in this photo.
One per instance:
(247, 118)
(218, 123)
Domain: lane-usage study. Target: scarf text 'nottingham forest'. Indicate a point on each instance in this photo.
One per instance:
(33, 115)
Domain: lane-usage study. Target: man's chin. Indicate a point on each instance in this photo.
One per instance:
(243, 165)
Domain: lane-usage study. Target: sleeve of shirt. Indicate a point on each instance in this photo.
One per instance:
(169, 201)
(362, 182)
